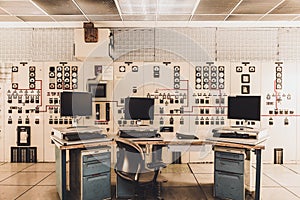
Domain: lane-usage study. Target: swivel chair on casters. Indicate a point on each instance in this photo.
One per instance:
(131, 169)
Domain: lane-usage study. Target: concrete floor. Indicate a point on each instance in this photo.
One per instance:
(186, 181)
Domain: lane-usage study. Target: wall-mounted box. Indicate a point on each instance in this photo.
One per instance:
(92, 51)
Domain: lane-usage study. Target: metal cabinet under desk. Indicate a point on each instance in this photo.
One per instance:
(230, 173)
(90, 173)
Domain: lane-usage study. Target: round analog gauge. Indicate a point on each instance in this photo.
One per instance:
(198, 68)
(278, 75)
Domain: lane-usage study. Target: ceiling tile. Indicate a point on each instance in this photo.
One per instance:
(139, 24)
(58, 7)
(176, 6)
(272, 17)
(173, 17)
(243, 17)
(297, 18)
(255, 6)
(209, 17)
(97, 7)
(288, 7)
(216, 6)
(104, 17)
(138, 6)
(2, 12)
(20, 8)
(69, 17)
(9, 19)
(36, 18)
(139, 17)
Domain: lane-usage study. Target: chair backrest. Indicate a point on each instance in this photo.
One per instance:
(130, 158)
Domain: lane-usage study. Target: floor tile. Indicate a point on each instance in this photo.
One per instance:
(12, 192)
(175, 179)
(286, 179)
(294, 167)
(202, 168)
(268, 182)
(277, 194)
(14, 167)
(50, 180)
(4, 175)
(183, 193)
(41, 192)
(208, 191)
(275, 169)
(25, 178)
(295, 190)
(176, 168)
(41, 167)
(205, 178)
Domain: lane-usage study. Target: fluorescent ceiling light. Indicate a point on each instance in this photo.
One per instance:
(135, 7)
(176, 7)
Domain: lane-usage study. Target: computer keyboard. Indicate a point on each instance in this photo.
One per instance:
(139, 134)
(233, 135)
(75, 136)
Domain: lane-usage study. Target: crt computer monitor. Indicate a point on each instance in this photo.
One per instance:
(98, 90)
(244, 107)
(75, 104)
(139, 108)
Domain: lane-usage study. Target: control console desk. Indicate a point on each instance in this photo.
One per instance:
(89, 166)
(256, 145)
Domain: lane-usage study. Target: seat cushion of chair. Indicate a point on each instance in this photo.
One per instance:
(146, 177)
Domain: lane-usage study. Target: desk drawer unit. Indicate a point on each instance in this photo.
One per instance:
(95, 183)
(229, 162)
(90, 174)
(96, 186)
(96, 166)
(229, 175)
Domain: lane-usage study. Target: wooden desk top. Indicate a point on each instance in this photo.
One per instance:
(168, 139)
(65, 145)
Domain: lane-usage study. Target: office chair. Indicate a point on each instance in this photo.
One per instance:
(131, 167)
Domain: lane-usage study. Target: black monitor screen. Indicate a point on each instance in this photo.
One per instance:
(138, 108)
(98, 89)
(75, 104)
(244, 107)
